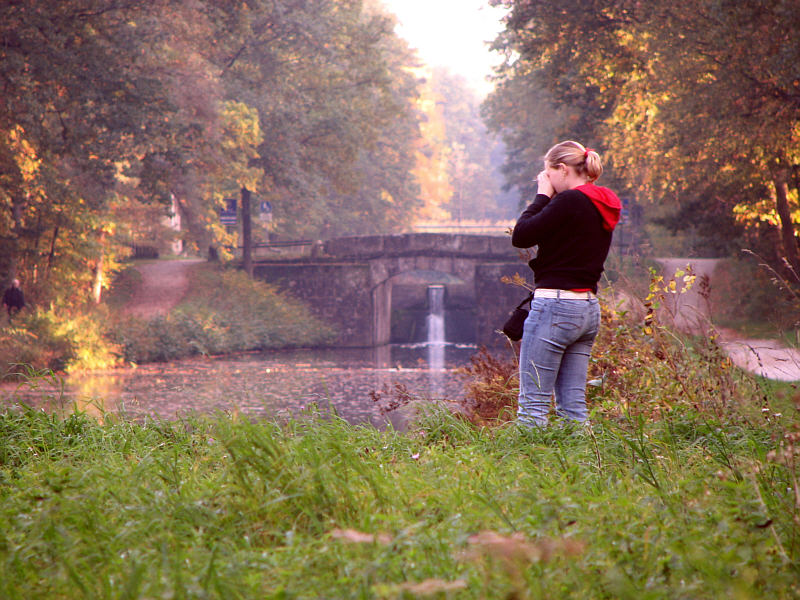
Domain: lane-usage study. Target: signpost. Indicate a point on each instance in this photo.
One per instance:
(265, 211)
(247, 234)
(227, 215)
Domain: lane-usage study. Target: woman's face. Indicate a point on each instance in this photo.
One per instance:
(558, 175)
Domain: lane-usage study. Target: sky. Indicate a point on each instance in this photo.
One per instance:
(452, 34)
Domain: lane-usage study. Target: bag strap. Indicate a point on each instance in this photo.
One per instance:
(528, 299)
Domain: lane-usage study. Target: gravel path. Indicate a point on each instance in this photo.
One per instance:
(164, 284)
(690, 312)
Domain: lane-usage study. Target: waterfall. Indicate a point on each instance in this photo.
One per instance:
(435, 326)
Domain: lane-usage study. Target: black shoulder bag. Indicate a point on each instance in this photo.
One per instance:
(515, 323)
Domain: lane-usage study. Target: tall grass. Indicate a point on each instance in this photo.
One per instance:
(215, 507)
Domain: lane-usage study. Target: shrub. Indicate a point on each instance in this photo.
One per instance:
(638, 369)
(69, 340)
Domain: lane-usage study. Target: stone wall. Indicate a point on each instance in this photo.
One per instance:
(339, 294)
(421, 244)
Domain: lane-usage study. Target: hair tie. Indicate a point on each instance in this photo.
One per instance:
(586, 152)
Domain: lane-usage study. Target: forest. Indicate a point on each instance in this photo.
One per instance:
(117, 116)
(694, 104)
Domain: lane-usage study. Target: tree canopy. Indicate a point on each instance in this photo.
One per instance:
(697, 104)
(112, 114)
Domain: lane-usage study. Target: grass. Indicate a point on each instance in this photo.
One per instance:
(217, 507)
(685, 486)
(224, 312)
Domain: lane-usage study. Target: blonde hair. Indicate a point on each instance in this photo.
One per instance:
(584, 160)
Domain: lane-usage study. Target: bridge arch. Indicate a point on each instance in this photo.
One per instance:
(398, 300)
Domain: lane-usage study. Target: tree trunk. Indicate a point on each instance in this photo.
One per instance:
(97, 284)
(16, 215)
(780, 178)
(247, 237)
(51, 256)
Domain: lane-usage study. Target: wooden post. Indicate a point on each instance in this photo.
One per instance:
(247, 236)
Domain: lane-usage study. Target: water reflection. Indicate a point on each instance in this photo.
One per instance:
(270, 385)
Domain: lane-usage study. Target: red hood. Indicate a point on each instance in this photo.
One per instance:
(606, 202)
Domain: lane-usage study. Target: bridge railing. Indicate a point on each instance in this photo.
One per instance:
(284, 249)
(284, 244)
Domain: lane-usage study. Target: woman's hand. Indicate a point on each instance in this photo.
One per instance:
(545, 186)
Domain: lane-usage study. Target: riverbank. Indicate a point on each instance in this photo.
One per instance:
(161, 311)
(687, 506)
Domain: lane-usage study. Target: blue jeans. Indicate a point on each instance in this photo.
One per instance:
(554, 357)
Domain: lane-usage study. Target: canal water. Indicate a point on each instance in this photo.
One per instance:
(358, 384)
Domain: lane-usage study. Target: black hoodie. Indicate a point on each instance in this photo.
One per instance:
(573, 232)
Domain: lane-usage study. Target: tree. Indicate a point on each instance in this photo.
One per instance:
(476, 190)
(696, 102)
(328, 88)
(74, 110)
(111, 113)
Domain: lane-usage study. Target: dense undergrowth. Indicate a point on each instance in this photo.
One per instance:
(640, 367)
(224, 312)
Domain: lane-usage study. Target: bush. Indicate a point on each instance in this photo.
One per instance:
(638, 369)
(224, 312)
(68, 340)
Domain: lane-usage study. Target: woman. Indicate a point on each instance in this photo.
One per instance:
(571, 220)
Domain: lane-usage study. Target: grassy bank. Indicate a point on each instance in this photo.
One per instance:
(685, 486)
(684, 507)
(223, 312)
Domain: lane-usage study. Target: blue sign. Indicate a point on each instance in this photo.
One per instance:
(266, 206)
(227, 215)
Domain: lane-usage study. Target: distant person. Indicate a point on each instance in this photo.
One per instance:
(14, 299)
(571, 221)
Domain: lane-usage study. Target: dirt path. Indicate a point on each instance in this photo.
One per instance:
(690, 313)
(164, 284)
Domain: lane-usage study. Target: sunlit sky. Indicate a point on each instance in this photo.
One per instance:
(452, 34)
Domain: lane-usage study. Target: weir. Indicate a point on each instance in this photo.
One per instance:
(435, 327)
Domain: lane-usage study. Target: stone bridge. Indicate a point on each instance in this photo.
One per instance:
(373, 288)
